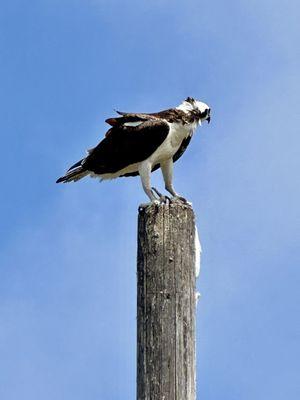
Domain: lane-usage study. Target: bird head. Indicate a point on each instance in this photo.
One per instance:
(198, 108)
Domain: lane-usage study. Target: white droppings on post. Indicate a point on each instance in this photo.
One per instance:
(198, 251)
(197, 297)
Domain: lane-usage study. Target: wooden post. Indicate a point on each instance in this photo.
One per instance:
(166, 303)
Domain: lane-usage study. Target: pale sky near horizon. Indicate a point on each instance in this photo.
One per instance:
(67, 252)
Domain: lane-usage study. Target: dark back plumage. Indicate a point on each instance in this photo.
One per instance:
(132, 138)
(126, 145)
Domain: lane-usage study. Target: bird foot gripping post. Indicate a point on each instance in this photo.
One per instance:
(166, 302)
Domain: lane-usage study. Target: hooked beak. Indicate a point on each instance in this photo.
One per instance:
(208, 116)
(205, 116)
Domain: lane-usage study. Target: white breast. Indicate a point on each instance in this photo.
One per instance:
(165, 151)
(178, 132)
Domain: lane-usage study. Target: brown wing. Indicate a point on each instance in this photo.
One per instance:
(126, 145)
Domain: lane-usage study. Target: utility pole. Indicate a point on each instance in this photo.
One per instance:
(166, 303)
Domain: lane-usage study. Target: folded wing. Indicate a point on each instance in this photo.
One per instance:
(132, 139)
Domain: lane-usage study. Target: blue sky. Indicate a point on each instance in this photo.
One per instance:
(67, 253)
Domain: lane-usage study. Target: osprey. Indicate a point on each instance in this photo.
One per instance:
(139, 143)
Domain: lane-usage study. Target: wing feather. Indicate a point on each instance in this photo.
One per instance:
(127, 118)
(126, 145)
(182, 148)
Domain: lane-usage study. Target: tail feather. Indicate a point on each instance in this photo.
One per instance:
(73, 175)
(78, 164)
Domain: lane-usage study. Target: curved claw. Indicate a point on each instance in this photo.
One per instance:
(181, 199)
(165, 199)
(157, 202)
(162, 198)
(157, 192)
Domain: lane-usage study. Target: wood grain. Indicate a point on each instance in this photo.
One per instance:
(166, 303)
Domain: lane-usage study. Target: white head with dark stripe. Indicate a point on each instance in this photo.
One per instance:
(195, 107)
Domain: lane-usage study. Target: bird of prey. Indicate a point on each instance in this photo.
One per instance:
(139, 143)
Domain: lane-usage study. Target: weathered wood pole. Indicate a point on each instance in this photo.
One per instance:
(166, 303)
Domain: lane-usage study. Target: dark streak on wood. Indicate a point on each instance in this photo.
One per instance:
(166, 303)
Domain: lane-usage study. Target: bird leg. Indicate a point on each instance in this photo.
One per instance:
(145, 171)
(162, 198)
(167, 171)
